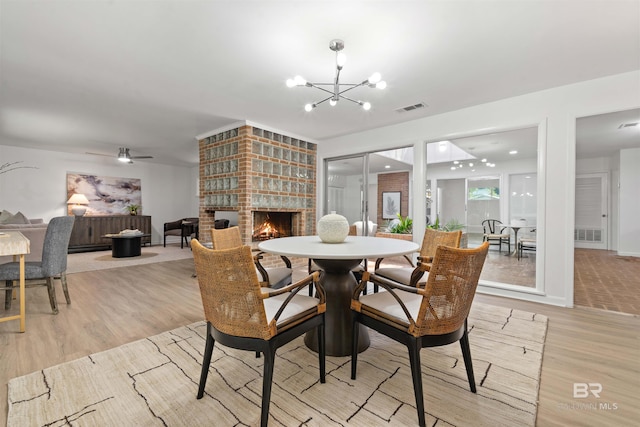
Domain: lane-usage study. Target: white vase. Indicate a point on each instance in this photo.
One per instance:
(333, 228)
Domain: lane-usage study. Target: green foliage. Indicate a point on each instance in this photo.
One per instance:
(403, 226)
(451, 225)
(133, 209)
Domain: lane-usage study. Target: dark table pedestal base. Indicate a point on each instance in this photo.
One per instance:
(339, 283)
(124, 247)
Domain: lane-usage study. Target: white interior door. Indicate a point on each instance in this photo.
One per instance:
(592, 212)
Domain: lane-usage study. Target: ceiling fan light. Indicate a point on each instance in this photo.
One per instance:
(366, 106)
(291, 83)
(333, 102)
(309, 107)
(381, 85)
(299, 81)
(341, 59)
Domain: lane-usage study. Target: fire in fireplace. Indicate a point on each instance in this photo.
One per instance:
(271, 225)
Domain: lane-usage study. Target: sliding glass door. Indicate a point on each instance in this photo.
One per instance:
(346, 188)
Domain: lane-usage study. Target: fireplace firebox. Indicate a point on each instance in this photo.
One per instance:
(271, 225)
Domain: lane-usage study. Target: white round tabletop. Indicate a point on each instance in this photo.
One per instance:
(354, 247)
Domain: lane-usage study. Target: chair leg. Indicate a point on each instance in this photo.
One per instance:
(269, 359)
(8, 294)
(52, 295)
(354, 346)
(321, 352)
(206, 361)
(164, 243)
(466, 354)
(416, 375)
(63, 280)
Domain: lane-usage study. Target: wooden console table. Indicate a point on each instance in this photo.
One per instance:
(88, 231)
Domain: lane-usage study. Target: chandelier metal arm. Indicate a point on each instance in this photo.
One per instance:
(351, 99)
(338, 89)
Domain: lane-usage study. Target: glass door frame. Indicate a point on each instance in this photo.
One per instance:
(364, 196)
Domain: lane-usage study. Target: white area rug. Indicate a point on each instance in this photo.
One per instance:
(101, 260)
(153, 382)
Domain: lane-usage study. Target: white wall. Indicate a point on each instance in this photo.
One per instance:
(629, 238)
(168, 192)
(555, 111)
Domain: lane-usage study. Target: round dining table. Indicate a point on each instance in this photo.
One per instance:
(336, 261)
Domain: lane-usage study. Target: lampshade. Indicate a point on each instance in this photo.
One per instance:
(77, 200)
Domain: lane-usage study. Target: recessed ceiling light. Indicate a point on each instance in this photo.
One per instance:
(387, 166)
(483, 160)
(470, 164)
(455, 162)
(513, 152)
(453, 168)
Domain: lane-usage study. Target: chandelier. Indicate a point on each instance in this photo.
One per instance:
(338, 89)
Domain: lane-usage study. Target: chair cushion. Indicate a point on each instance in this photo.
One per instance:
(298, 304)
(400, 275)
(497, 236)
(11, 271)
(384, 302)
(173, 232)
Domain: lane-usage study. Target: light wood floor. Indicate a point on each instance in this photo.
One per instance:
(113, 307)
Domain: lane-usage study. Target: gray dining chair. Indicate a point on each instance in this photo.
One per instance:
(53, 264)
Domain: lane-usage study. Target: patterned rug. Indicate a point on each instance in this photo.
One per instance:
(153, 382)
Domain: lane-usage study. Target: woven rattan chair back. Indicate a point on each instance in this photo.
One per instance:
(230, 291)
(450, 289)
(226, 238)
(434, 238)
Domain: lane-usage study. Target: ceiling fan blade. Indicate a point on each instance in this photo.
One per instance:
(141, 157)
(98, 154)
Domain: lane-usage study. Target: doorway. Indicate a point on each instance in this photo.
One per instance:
(606, 261)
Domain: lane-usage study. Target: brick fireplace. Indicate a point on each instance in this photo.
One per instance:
(258, 174)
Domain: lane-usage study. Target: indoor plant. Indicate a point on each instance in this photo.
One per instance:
(133, 209)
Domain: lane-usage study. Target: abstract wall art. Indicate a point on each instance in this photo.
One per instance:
(107, 195)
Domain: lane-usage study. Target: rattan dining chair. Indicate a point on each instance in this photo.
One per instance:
(412, 276)
(241, 316)
(424, 317)
(271, 277)
(52, 266)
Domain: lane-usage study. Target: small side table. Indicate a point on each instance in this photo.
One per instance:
(126, 245)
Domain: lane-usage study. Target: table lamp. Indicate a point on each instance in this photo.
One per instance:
(77, 200)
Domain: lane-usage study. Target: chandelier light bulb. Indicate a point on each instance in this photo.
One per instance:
(336, 89)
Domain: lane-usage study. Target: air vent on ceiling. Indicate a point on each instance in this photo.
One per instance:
(411, 107)
(628, 125)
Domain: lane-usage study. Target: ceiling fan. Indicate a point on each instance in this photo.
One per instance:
(124, 155)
